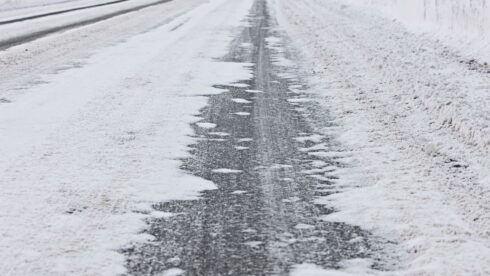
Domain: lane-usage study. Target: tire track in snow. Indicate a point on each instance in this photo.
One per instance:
(258, 148)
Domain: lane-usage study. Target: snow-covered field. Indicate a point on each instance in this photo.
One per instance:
(413, 116)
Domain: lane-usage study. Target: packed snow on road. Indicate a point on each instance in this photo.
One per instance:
(252, 137)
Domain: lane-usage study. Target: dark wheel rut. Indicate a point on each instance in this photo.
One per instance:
(262, 219)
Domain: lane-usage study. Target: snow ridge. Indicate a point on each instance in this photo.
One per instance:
(414, 119)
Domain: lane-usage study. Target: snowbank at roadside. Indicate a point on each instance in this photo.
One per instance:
(414, 122)
(464, 25)
(20, 4)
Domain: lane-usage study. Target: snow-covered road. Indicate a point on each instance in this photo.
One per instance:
(84, 153)
(251, 137)
(20, 29)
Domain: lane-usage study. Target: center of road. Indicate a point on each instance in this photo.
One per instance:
(257, 146)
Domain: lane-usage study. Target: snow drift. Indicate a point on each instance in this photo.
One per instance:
(464, 24)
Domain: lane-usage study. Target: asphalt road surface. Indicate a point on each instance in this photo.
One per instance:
(262, 218)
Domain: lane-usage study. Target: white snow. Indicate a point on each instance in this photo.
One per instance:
(173, 272)
(240, 85)
(206, 125)
(253, 91)
(464, 25)
(409, 113)
(349, 267)
(85, 149)
(221, 134)
(242, 113)
(241, 101)
(226, 171)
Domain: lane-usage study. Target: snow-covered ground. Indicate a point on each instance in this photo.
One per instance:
(413, 118)
(85, 148)
(464, 25)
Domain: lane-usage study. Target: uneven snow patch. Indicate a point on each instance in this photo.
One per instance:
(242, 101)
(413, 135)
(226, 171)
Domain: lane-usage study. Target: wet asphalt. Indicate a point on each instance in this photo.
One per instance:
(262, 219)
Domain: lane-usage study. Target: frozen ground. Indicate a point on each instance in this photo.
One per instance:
(306, 137)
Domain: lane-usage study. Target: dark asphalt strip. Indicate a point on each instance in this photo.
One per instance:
(262, 219)
(10, 21)
(5, 44)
